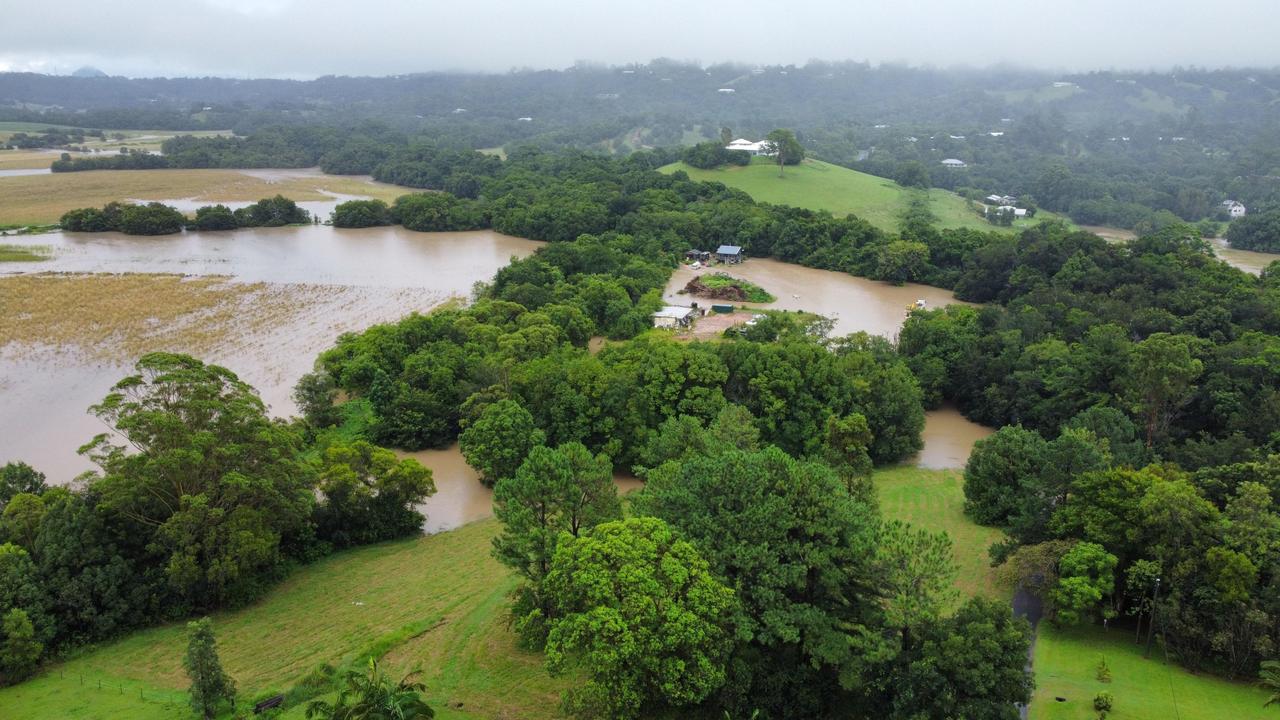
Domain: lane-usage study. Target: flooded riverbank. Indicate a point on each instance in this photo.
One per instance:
(460, 496)
(292, 291)
(854, 303)
(1247, 260)
(315, 284)
(948, 439)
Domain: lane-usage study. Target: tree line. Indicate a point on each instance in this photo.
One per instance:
(198, 502)
(156, 218)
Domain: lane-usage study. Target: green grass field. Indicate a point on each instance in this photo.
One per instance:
(1144, 689)
(436, 603)
(1065, 659)
(818, 185)
(934, 499)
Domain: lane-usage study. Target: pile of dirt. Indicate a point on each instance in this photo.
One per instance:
(724, 292)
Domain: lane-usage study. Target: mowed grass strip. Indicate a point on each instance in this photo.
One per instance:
(818, 185)
(42, 199)
(438, 603)
(934, 500)
(1066, 662)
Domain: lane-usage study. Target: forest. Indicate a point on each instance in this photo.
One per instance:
(1137, 151)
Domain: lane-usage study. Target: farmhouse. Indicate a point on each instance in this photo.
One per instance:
(729, 254)
(673, 316)
(1001, 199)
(761, 147)
(1234, 209)
(1017, 211)
(954, 163)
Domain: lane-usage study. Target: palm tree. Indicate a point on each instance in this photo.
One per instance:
(1269, 676)
(372, 696)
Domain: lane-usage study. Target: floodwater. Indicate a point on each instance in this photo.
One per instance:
(385, 257)
(1247, 260)
(351, 279)
(329, 281)
(460, 496)
(17, 172)
(948, 439)
(854, 303)
(317, 208)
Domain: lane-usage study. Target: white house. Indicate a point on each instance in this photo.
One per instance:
(762, 147)
(672, 316)
(1234, 209)
(954, 163)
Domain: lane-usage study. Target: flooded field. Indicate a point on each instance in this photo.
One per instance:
(854, 303)
(265, 301)
(287, 294)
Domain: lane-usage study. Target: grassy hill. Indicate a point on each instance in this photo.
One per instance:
(819, 185)
(437, 603)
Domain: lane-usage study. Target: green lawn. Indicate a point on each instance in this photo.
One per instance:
(934, 499)
(436, 603)
(818, 185)
(1066, 662)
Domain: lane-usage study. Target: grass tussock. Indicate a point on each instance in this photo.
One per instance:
(24, 253)
(39, 199)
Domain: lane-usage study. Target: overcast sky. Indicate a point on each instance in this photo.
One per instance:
(308, 38)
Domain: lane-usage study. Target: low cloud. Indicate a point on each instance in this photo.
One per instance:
(292, 38)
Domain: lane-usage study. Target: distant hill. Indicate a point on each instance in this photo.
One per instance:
(88, 72)
(818, 185)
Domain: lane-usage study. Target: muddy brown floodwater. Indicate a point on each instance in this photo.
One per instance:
(324, 281)
(1247, 260)
(330, 281)
(460, 496)
(854, 303)
(948, 439)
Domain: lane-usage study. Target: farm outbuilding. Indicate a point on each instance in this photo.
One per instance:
(673, 316)
(729, 254)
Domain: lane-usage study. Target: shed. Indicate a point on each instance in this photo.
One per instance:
(730, 254)
(673, 316)
(721, 308)
(954, 163)
(696, 255)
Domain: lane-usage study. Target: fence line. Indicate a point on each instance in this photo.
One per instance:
(140, 692)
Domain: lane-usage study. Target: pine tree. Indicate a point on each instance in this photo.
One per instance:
(210, 685)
